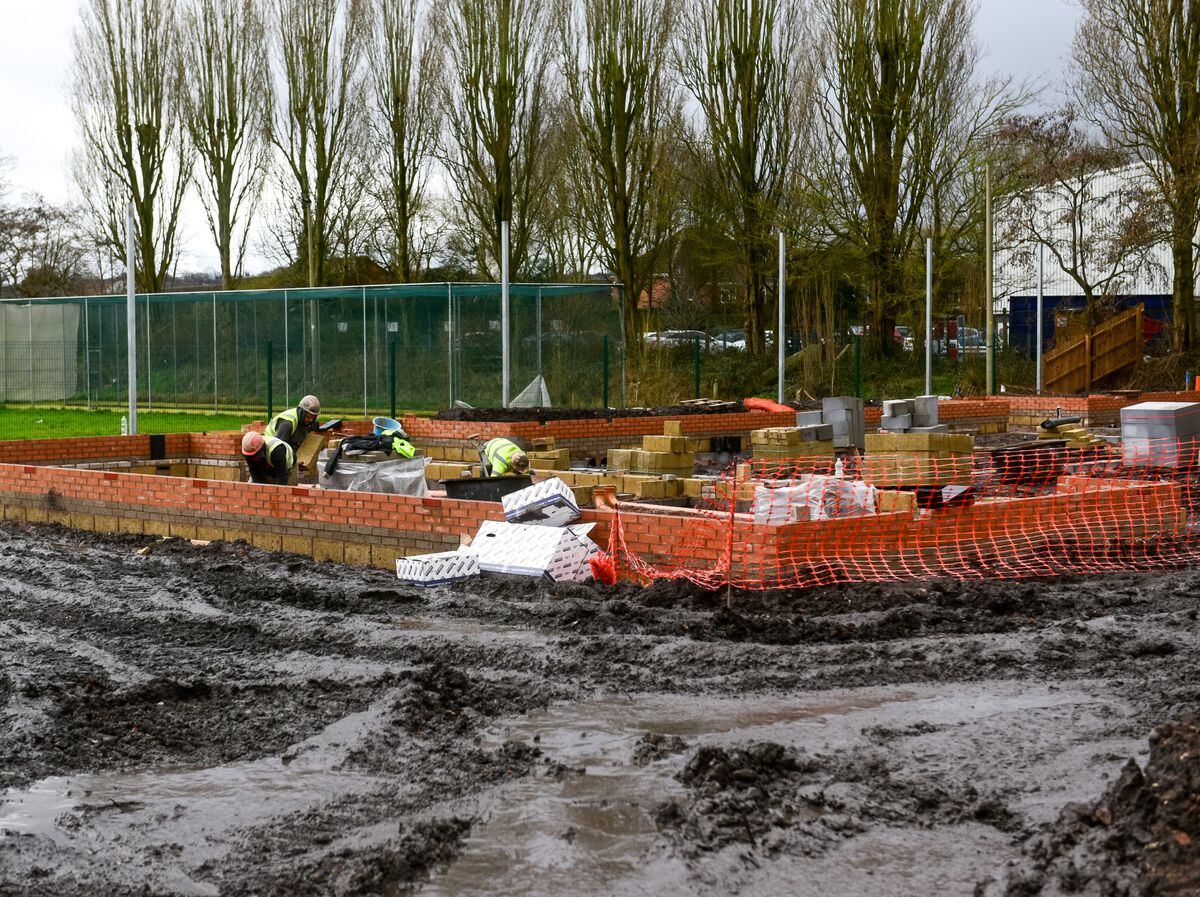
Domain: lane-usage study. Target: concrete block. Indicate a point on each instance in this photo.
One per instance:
(925, 411)
(675, 444)
(895, 422)
(890, 501)
(673, 428)
(817, 432)
(809, 418)
(897, 407)
(958, 443)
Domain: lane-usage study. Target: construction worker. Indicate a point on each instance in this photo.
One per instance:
(268, 459)
(294, 424)
(503, 456)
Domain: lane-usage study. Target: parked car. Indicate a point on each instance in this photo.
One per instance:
(730, 340)
(670, 339)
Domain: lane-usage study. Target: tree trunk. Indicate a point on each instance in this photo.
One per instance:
(1183, 304)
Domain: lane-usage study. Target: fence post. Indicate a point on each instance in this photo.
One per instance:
(270, 382)
(858, 365)
(604, 386)
(392, 374)
(696, 366)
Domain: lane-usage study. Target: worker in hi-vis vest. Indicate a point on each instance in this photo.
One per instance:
(503, 456)
(294, 424)
(269, 460)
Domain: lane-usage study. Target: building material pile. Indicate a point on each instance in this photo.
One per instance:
(845, 415)
(919, 415)
(783, 443)
(1160, 434)
(1074, 433)
(918, 459)
(659, 455)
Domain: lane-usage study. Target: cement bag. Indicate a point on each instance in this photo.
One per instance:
(813, 498)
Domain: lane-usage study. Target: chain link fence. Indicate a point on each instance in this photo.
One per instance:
(362, 350)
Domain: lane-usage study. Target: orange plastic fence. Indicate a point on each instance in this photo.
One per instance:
(1006, 513)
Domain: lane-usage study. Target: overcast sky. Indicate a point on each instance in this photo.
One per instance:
(1030, 39)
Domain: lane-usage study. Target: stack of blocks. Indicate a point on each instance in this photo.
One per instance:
(917, 459)
(792, 442)
(1076, 435)
(659, 455)
(1160, 434)
(919, 415)
(844, 414)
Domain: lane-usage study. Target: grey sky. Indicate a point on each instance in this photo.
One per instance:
(1030, 39)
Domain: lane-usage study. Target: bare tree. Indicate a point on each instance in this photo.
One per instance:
(125, 97)
(905, 119)
(620, 88)
(406, 80)
(225, 72)
(1139, 76)
(741, 60)
(43, 250)
(1098, 216)
(499, 54)
(318, 124)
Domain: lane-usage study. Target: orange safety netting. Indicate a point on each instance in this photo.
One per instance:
(1007, 513)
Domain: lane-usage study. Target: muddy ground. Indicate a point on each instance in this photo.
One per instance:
(225, 721)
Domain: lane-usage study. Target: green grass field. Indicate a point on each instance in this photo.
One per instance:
(49, 423)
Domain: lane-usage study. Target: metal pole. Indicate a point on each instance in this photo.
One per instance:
(29, 355)
(130, 320)
(780, 332)
(149, 393)
(604, 388)
(505, 348)
(287, 373)
(928, 316)
(696, 366)
(87, 351)
(858, 365)
(214, 300)
(364, 316)
(539, 331)
(1041, 289)
(450, 340)
(270, 381)
(987, 278)
(392, 374)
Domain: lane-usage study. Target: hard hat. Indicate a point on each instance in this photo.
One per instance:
(520, 462)
(251, 443)
(310, 405)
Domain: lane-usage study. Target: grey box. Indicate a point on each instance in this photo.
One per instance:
(809, 418)
(1143, 452)
(925, 411)
(897, 407)
(845, 415)
(820, 432)
(895, 423)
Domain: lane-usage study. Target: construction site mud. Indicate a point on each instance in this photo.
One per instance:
(220, 720)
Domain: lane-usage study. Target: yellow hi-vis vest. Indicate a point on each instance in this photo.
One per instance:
(292, 416)
(272, 443)
(499, 453)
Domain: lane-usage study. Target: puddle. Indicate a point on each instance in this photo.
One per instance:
(595, 833)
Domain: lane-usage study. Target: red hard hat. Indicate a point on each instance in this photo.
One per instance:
(251, 443)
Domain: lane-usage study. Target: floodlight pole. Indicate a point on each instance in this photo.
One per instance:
(505, 348)
(131, 318)
(987, 280)
(929, 316)
(1041, 290)
(780, 333)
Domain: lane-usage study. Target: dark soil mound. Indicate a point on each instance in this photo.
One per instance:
(541, 415)
(1141, 838)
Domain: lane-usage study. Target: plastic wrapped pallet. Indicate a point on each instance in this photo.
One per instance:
(560, 554)
(548, 503)
(813, 498)
(437, 569)
(1160, 434)
(405, 476)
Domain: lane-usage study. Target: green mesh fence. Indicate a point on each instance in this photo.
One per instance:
(237, 351)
